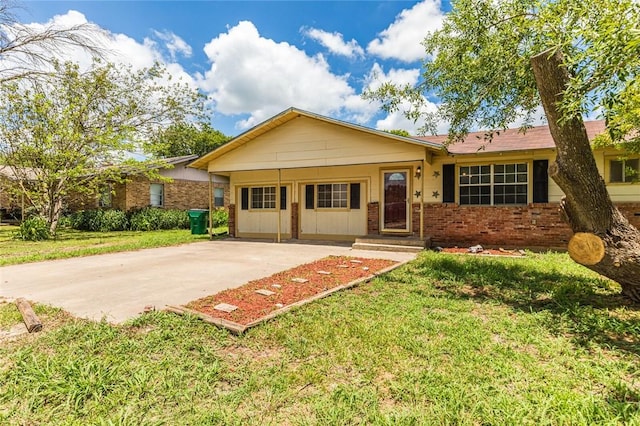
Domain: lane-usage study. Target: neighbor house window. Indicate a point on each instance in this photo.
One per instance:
(494, 184)
(157, 194)
(218, 197)
(624, 170)
(104, 199)
(332, 195)
(263, 197)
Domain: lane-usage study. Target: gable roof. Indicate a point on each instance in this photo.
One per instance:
(538, 137)
(290, 114)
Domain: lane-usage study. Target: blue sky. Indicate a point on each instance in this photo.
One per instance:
(256, 58)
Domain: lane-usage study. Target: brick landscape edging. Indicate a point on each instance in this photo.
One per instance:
(237, 329)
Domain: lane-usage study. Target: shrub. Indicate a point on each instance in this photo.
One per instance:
(220, 218)
(34, 228)
(99, 220)
(149, 219)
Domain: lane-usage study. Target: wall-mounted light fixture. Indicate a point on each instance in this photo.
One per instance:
(418, 172)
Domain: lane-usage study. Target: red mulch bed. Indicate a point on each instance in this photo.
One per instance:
(252, 306)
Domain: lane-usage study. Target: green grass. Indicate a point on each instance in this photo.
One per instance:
(443, 340)
(72, 243)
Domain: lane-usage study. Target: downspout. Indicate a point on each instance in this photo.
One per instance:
(278, 210)
(210, 205)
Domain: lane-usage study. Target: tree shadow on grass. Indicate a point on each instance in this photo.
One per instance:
(581, 304)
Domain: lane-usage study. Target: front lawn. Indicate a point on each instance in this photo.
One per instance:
(72, 243)
(442, 340)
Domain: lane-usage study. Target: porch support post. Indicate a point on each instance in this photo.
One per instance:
(210, 205)
(278, 210)
(422, 199)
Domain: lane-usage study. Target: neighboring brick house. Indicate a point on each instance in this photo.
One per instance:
(301, 175)
(187, 189)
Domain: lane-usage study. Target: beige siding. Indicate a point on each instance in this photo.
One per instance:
(305, 142)
(620, 192)
(333, 222)
(256, 223)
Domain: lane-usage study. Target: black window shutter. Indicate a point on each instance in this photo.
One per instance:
(540, 181)
(354, 202)
(245, 198)
(448, 183)
(309, 190)
(283, 198)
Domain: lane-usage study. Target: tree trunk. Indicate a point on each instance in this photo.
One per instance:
(587, 206)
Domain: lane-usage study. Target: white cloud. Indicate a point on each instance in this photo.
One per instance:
(174, 44)
(254, 75)
(335, 42)
(376, 77)
(402, 39)
(118, 48)
(397, 120)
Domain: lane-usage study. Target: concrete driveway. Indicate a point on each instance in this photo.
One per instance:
(118, 286)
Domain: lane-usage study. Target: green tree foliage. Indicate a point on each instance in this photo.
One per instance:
(399, 132)
(66, 134)
(185, 139)
(495, 63)
(478, 64)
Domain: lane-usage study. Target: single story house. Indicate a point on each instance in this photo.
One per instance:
(301, 175)
(187, 188)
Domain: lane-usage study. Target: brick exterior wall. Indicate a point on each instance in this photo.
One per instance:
(232, 220)
(373, 218)
(294, 220)
(631, 211)
(415, 218)
(135, 194)
(533, 226)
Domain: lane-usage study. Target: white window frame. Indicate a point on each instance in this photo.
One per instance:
(338, 195)
(623, 163)
(491, 176)
(216, 198)
(161, 195)
(262, 198)
(105, 198)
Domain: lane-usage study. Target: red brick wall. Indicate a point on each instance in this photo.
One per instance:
(294, 220)
(232, 220)
(373, 218)
(631, 211)
(415, 218)
(534, 225)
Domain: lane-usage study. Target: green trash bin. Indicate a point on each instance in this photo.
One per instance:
(198, 220)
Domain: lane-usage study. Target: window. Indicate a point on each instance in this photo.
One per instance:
(263, 197)
(157, 194)
(218, 197)
(496, 184)
(104, 199)
(624, 170)
(332, 195)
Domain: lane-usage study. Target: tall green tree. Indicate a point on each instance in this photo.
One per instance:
(67, 134)
(496, 62)
(185, 139)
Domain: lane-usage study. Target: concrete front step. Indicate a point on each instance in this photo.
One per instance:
(387, 247)
(395, 241)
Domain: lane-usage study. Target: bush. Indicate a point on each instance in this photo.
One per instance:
(220, 218)
(149, 219)
(34, 228)
(99, 220)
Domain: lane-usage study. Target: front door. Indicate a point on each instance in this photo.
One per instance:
(395, 211)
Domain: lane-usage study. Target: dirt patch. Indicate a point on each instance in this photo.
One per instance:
(288, 287)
